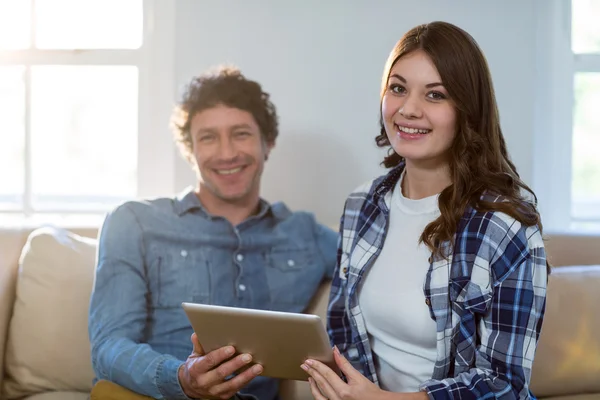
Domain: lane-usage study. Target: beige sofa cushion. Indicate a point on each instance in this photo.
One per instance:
(567, 360)
(48, 347)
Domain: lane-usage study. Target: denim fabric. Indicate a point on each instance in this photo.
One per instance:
(154, 255)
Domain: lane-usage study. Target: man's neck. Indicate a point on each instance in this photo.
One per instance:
(235, 212)
(424, 181)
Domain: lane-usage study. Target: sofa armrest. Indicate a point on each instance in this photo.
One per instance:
(11, 243)
(106, 390)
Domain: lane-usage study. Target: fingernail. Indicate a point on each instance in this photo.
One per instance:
(246, 358)
(257, 369)
(309, 362)
(304, 367)
(229, 351)
(335, 348)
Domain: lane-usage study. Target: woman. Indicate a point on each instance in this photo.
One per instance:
(441, 280)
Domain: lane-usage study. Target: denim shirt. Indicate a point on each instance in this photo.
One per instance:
(154, 255)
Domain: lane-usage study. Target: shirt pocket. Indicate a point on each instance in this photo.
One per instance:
(179, 276)
(293, 276)
(469, 296)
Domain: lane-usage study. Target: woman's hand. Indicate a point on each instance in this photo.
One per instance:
(325, 384)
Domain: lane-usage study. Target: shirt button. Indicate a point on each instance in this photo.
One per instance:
(239, 257)
(345, 270)
(242, 287)
(428, 302)
(430, 259)
(291, 263)
(183, 253)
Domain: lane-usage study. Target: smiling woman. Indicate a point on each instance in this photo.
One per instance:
(419, 116)
(440, 286)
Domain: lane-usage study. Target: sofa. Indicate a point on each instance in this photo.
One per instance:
(46, 276)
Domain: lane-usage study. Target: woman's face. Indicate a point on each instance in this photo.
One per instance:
(418, 115)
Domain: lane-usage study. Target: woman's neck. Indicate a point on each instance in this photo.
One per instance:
(422, 182)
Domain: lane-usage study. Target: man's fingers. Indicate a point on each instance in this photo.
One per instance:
(197, 346)
(212, 360)
(216, 375)
(229, 388)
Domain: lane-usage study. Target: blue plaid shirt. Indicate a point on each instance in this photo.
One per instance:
(487, 298)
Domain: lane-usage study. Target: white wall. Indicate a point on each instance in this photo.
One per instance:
(322, 63)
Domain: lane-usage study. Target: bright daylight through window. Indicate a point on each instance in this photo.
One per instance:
(69, 88)
(585, 183)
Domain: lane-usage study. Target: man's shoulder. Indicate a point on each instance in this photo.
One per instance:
(300, 221)
(144, 206)
(285, 215)
(141, 214)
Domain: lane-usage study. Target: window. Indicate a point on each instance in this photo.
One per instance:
(585, 45)
(567, 104)
(73, 100)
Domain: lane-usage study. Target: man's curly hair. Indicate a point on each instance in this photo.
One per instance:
(226, 86)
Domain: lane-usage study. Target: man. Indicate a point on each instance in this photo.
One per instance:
(219, 244)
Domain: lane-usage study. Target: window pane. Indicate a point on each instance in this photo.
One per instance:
(587, 227)
(12, 137)
(84, 136)
(90, 24)
(15, 24)
(586, 142)
(585, 36)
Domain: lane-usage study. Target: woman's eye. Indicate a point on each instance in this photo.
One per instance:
(397, 88)
(436, 96)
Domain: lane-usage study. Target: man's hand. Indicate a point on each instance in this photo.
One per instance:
(203, 376)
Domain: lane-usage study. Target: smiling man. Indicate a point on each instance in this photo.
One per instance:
(218, 243)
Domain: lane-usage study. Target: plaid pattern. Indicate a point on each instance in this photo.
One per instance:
(487, 298)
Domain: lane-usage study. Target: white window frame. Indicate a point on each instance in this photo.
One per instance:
(155, 62)
(554, 100)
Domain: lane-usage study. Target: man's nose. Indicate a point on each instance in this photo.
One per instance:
(226, 149)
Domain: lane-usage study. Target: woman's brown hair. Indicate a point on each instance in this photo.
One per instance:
(479, 159)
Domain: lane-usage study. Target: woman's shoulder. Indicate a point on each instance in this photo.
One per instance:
(378, 186)
(499, 238)
(496, 226)
(497, 222)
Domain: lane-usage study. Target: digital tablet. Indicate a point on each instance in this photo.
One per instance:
(279, 341)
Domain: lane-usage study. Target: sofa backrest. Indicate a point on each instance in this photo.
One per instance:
(567, 361)
(45, 345)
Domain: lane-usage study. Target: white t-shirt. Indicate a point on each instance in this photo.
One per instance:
(401, 332)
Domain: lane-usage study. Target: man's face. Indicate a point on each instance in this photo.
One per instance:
(229, 151)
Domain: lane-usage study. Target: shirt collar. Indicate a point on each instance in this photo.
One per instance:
(187, 201)
(389, 181)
